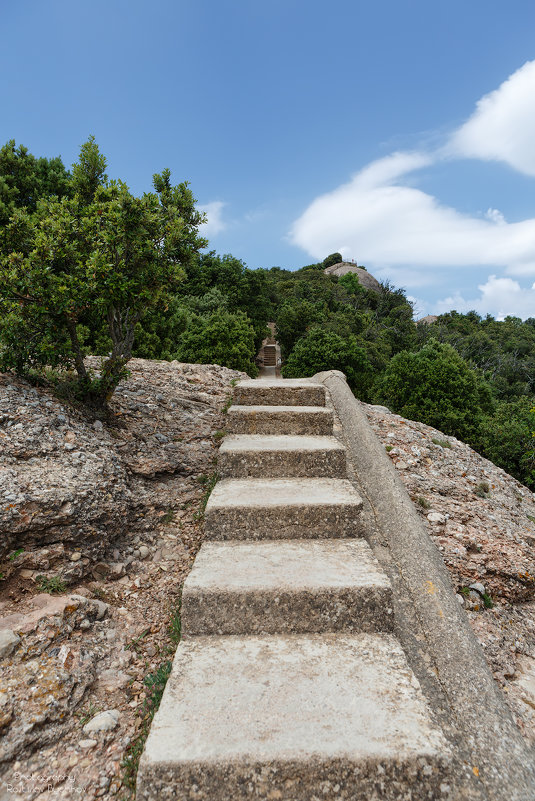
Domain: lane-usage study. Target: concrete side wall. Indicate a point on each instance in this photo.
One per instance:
(495, 763)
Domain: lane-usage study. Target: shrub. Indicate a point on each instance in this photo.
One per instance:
(324, 350)
(219, 338)
(436, 386)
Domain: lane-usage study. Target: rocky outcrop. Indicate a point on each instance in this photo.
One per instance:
(130, 541)
(95, 549)
(365, 278)
(483, 522)
(68, 482)
(63, 484)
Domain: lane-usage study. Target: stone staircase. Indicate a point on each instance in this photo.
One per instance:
(288, 683)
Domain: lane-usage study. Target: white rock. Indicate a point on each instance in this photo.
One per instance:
(478, 587)
(86, 744)
(104, 721)
(8, 641)
(101, 607)
(144, 551)
(436, 517)
(76, 556)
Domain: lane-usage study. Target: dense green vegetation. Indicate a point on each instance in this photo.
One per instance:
(86, 267)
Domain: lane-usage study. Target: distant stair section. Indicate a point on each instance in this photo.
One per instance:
(288, 684)
(270, 355)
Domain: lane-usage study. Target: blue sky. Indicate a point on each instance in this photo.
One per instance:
(398, 132)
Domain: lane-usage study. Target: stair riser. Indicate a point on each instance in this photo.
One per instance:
(279, 396)
(366, 610)
(288, 780)
(294, 522)
(278, 464)
(265, 422)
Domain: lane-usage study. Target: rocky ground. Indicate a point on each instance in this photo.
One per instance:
(100, 524)
(483, 522)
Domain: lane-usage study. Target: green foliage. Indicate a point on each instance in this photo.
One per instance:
(294, 319)
(352, 285)
(219, 338)
(423, 502)
(505, 437)
(52, 584)
(88, 264)
(25, 179)
(324, 350)
(444, 443)
(504, 350)
(436, 386)
(89, 172)
(334, 258)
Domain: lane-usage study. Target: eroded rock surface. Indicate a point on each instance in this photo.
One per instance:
(117, 532)
(100, 522)
(483, 522)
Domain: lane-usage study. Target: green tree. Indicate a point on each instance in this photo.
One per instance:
(436, 386)
(25, 179)
(89, 172)
(506, 438)
(334, 258)
(220, 337)
(102, 256)
(294, 319)
(322, 350)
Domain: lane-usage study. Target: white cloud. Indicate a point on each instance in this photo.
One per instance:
(499, 296)
(405, 235)
(502, 128)
(215, 223)
(381, 222)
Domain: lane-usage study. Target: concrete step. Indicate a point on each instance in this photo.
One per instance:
(296, 586)
(266, 456)
(278, 392)
(288, 508)
(279, 420)
(294, 718)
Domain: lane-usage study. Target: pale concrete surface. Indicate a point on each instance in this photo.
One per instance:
(293, 718)
(279, 392)
(255, 508)
(279, 420)
(257, 456)
(267, 372)
(433, 629)
(277, 587)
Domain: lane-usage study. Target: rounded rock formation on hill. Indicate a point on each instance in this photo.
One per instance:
(365, 278)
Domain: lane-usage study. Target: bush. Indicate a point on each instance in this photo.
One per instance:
(506, 439)
(437, 387)
(334, 258)
(324, 350)
(219, 338)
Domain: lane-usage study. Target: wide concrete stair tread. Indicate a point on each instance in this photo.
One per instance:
(279, 392)
(257, 508)
(256, 455)
(293, 717)
(294, 586)
(279, 420)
